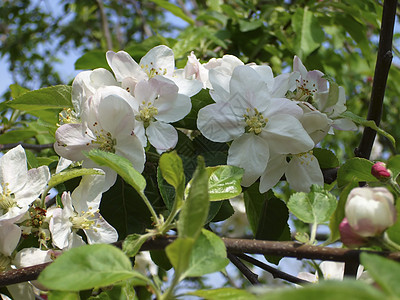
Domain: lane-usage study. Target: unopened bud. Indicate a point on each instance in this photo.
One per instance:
(370, 211)
(380, 171)
(349, 237)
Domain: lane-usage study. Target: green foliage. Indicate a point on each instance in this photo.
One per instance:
(100, 265)
(195, 209)
(315, 207)
(355, 169)
(385, 272)
(120, 165)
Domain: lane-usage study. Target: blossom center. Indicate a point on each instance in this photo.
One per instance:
(104, 140)
(305, 91)
(84, 220)
(67, 116)
(305, 157)
(151, 71)
(255, 122)
(146, 114)
(6, 198)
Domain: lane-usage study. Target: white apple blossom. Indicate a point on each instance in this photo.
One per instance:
(108, 122)
(19, 187)
(158, 61)
(370, 211)
(159, 104)
(81, 211)
(330, 270)
(313, 94)
(301, 172)
(257, 123)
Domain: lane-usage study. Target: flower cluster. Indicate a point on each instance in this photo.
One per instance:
(23, 214)
(273, 123)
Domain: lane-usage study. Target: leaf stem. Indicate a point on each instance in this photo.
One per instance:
(313, 233)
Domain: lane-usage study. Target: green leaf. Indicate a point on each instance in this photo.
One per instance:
(195, 209)
(54, 97)
(267, 216)
(393, 164)
(178, 253)
(224, 182)
(309, 34)
(17, 90)
(160, 258)
(254, 202)
(176, 10)
(171, 168)
(245, 25)
(326, 290)
(17, 135)
(361, 121)
(89, 266)
(208, 255)
(63, 295)
(224, 294)
(385, 272)
(125, 210)
(63, 176)
(338, 215)
(133, 242)
(92, 60)
(355, 169)
(315, 207)
(121, 165)
(326, 158)
(167, 191)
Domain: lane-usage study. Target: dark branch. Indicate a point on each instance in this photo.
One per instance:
(234, 246)
(252, 277)
(26, 146)
(104, 24)
(383, 62)
(274, 271)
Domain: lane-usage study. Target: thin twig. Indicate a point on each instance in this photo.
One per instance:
(383, 62)
(251, 276)
(104, 24)
(26, 146)
(274, 271)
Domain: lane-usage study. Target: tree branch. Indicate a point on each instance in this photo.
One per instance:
(26, 146)
(104, 24)
(383, 62)
(274, 271)
(234, 246)
(251, 276)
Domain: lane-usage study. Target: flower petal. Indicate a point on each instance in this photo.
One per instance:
(172, 108)
(250, 152)
(219, 123)
(276, 167)
(13, 169)
(87, 194)
(70, 142)
(9, 237)
(131, 148)
(286, 135)
(161, 135)
(35, 185)
(102, 232)
(303, 171)
(161, 59)
(124, 66)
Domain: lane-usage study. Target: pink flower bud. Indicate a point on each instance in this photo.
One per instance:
(370, 211)
(380, 172)
(349, 237)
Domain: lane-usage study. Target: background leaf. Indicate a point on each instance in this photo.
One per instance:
(99, 265)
